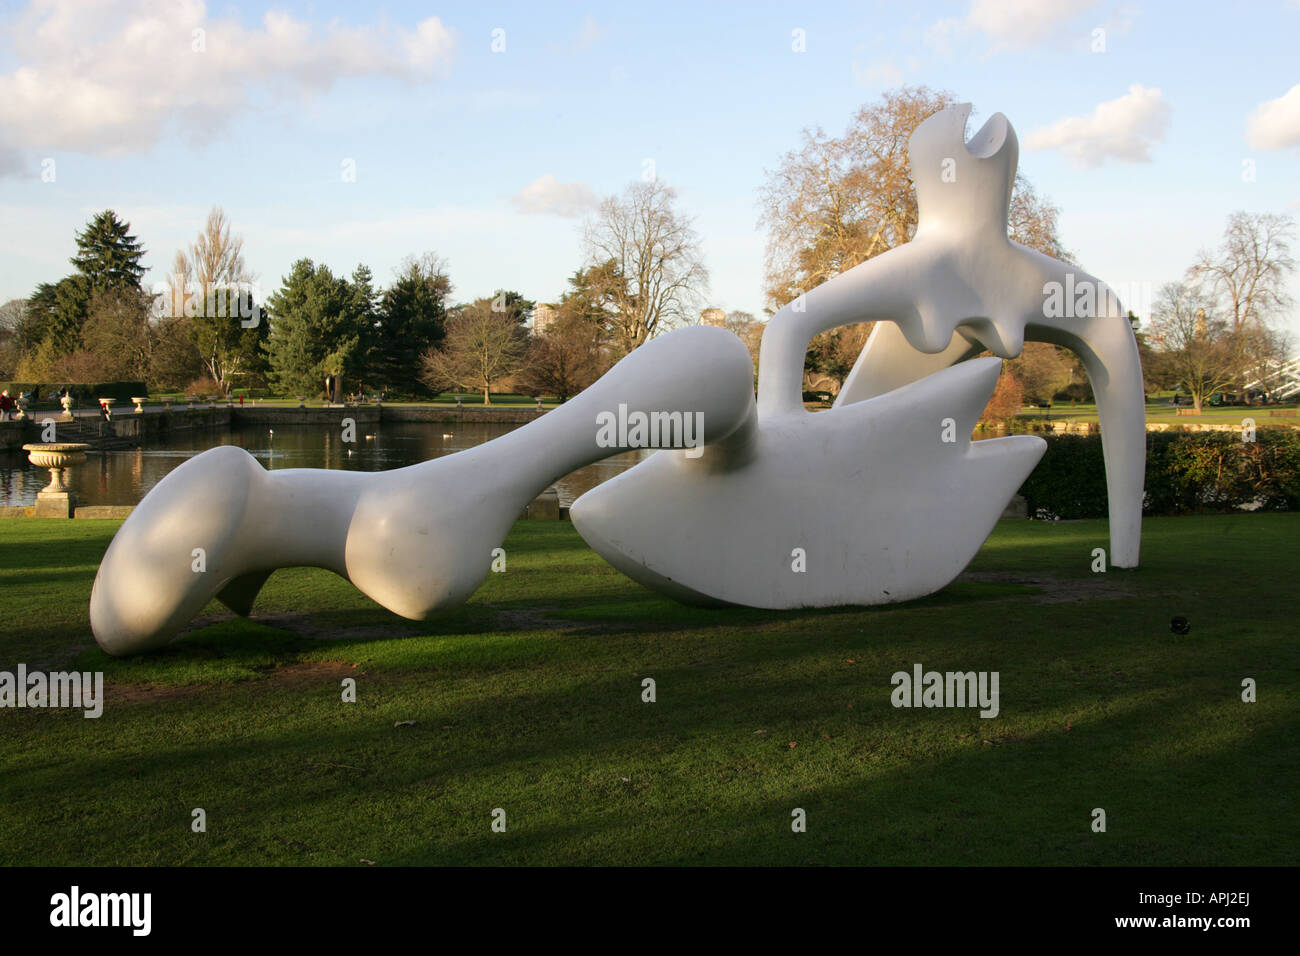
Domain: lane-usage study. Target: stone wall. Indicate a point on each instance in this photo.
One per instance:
(504, 414)
(11, 435)
(331, 416)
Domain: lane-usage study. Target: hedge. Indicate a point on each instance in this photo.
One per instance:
(1186, 472)
(20, 388)
(83, 392)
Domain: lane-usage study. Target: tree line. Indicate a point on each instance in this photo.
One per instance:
(835, 201)
(205, 329)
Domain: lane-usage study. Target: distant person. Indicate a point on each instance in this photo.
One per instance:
(241, 399)
(6, 405)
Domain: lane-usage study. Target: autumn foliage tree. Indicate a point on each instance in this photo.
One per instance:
(837, 201)
(1008, 397)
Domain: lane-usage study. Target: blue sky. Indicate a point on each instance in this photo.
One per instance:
(488, 158)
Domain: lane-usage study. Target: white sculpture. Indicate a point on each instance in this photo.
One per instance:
(880, 499)
(962, 286)
(861, 504)
(418, 539)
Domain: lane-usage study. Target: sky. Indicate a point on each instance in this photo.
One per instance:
(364, 133)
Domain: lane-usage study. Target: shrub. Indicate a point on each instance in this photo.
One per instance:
(1074, 392)
(203, 385)
(82, 391)
(1186, 472)
(1070, 480)
(1218, 471)
(122, 391)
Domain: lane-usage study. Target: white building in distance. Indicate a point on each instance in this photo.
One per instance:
(543, 317)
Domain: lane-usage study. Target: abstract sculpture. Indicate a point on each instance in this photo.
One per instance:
(882, 498)
(878, 507)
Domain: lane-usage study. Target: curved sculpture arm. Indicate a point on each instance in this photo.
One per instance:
(880, 289)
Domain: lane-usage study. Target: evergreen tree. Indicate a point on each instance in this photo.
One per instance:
(412, 318)
(365, 303)
(316, 328)
(514, 305)
(108, 258)
(59, 310)
(107, 254)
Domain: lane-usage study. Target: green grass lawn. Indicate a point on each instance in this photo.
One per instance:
(529, 699)
(1162, 411)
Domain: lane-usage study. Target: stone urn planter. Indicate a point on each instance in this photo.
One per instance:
(66, 402)
(139, 405)
(22, 402)
(55, 500)
(107, 402)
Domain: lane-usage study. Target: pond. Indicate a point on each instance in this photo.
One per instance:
(124, 477)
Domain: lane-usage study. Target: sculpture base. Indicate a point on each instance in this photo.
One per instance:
(55, 504)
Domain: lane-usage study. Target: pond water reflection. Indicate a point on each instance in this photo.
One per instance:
(124, 477)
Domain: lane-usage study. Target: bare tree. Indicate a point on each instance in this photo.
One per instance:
(1201, 350)
(1249, 271)
(482, 347)
(1247, 277)
(654, 251)
(749, 330)
(1265, 352)
(13, 318)
(12, 314)
(206, 284)
(562, 360)
(1032, 221)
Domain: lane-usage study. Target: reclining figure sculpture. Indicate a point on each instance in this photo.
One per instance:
(882, 498)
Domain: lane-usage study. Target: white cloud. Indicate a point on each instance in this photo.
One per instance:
(878, 74)
(1275, 124)
(109, 78)
(1009, 24)
(547, 195)
(588, 35)
(1122, 129)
